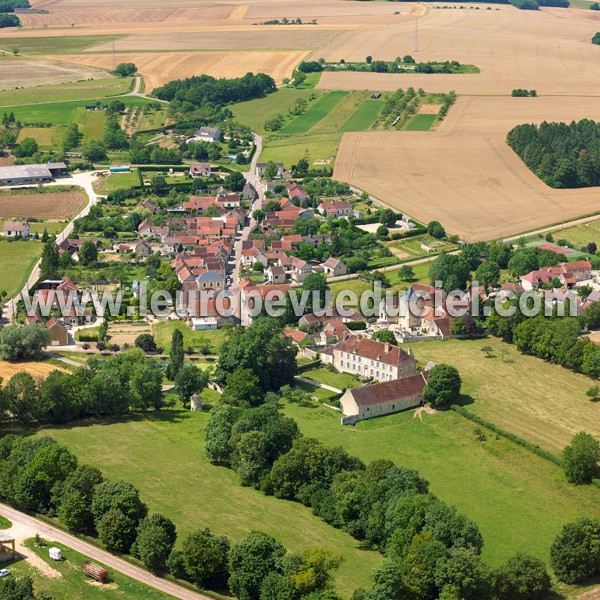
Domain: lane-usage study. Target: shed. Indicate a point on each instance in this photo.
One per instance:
(7, 547)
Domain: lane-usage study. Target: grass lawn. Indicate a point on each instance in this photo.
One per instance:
(337, 380)
(312, 79)
(91, 124)
(163, 456)
(73, 583)
(322, 395)
(255, 113)
(63, 93)
(117, 181)
(410, 248)
(152, 119)
(316, 111)
(163, 333)
(421, 272)
(290, 150)
(5, 523)
(421, 123)
(16, 262)
(519, 501)
(521, 393)
(51, 228)
(364, 116)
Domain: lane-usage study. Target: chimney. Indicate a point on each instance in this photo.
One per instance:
(387, 347)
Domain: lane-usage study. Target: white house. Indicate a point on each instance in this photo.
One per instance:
(15, 229)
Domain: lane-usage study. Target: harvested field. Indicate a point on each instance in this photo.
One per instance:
(464, 174)
(59, 205)
(254, 38)
(35, 369)
(159, 68)
(513, 49)
(29, 73)
(429, 109)
(63, 16)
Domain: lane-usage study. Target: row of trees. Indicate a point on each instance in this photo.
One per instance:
(43, 476)
(430, 549)
(562, 155)
(129, 381)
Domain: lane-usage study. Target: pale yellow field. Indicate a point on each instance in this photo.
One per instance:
(42, 135)
(513, 48)
(26, 73)
(159, 68)
(35, 369)
(250, 38)
(463, 173)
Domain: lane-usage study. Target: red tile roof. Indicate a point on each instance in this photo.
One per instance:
(374, 350)
(388, 391)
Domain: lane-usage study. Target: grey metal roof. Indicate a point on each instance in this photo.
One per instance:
(25, 171)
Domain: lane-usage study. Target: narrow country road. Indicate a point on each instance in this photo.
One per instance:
(82, 180)
(111, 561)
(253, 179)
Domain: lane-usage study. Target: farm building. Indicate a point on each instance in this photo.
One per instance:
(384, 398)
(15, 229)
(25, 174)
(59, 336)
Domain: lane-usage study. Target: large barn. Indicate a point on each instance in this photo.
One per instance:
(25, 174)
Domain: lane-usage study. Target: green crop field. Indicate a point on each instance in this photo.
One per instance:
(42, 45)
(290, 150)
(73, 583)
(91, 124)
(255, 113)
(314, 113)
(364, 117)
(518, 500)
(16, 261)
(580, 235)
(164, 331)
(421, 123)
(163, 456)
(516, 392)
(341, 112)
(95, 89)
(312, 79)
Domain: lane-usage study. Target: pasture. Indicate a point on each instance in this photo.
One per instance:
(17, 259)
(255, 113)
(44, 136)
(174, 484)
(91, 124)
(516, 392)
(518, 500)
(421, 123)
(163, 332)
(463, 173)
(290, 150)
(47, 205)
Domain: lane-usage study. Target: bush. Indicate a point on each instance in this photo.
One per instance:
(575, 553)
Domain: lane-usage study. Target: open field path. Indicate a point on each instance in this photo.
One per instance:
(29, 526)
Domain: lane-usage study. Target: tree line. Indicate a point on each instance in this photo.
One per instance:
(42, 476)
(560, 154)
(431, 550)
(205, 90)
